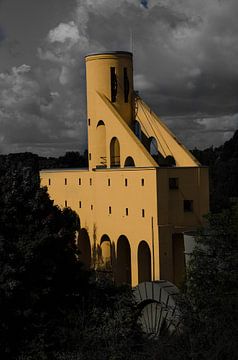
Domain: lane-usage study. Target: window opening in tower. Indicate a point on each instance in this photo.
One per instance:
(126, 86)
(113, 84)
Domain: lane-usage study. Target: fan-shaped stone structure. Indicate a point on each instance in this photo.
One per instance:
(159, 312)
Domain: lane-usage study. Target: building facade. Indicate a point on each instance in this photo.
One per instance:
(143, 191)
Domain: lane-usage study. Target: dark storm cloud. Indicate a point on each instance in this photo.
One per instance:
(185, 67)
(31, 114)
(2, 34)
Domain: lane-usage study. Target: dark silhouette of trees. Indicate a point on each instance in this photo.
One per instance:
(71, 159)
(223, 172)
(49, 307)
(209, 310)
(39, 271)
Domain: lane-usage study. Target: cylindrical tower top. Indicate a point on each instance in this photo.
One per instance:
(110, 74)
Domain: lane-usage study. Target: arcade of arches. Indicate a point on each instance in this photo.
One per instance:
(117, 261)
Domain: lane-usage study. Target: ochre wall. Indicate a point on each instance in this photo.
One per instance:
(96, 199)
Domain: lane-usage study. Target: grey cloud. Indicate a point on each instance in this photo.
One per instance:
(30, 114)
(185, 55)
(2, 34)
(201, 131)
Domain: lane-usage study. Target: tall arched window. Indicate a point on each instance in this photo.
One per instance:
(101, 144)
(84, 248)
(115, 152)
(137, 129)
(106, 257)
(144, 262)
(153, 146)
(123, 261)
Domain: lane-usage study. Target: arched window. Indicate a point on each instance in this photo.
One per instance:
(123, 261)
(144, 262)
(100, 123)
(106, 258)
(129, 161)
(153, 146)
(101, 144)
(84, 248)
(137, 129)
(115, 152)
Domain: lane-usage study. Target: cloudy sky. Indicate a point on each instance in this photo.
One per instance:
(185, 67)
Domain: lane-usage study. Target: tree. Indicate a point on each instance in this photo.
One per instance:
(223, 172)
(211, 293)
(110, 329)
(40, 276)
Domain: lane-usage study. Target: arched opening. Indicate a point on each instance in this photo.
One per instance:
(123, 261)
(101, 144)
(178, 258)
(115, 152)
(137, 130)
(155, 153)
(106, 258)
(129, 161)
(84, 248)
(144, 262)
(153, 146)
(170, 161)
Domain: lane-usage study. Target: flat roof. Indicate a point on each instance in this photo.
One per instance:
(111, 53)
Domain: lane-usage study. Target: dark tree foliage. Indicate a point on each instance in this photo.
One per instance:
(223, 172)
(110, 329)
(40, 275)
(210, 312)
(49, 309)
(71, 159)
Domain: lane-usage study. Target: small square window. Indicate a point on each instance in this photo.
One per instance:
(80, 181)
(110, 210)
(173, 183)
(91, 207)
(49, 182)
(66, 203)
(65, 181)
(127, 212)
(188, 205)
(126, 182)
(80, 204)
(89, 122)
(142, 182)
(143, 212)
(109, 182)
(90, 182)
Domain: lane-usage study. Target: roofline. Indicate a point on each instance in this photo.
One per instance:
(128, 53)
(130, 168)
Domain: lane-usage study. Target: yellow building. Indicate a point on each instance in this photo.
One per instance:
(143, 190)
